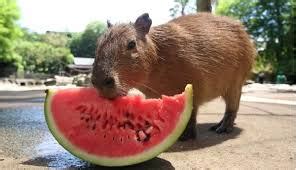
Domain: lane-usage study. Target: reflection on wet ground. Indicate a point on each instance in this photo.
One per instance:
(24, 134)
(21, 128)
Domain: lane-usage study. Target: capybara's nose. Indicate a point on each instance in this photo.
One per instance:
(108, 82)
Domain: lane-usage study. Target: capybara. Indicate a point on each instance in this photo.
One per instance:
(214, 53)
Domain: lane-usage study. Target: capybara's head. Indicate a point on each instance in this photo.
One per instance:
(123, 57)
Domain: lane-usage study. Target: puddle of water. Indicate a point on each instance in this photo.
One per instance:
(21, 128)
(24, 134)
(51, 154)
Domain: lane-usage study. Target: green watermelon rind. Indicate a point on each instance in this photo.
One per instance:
(128, 160)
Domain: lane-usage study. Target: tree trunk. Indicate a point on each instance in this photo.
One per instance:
(203, 6)
(183, 10)
(280, 35)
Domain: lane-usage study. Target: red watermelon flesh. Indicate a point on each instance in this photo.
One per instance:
(117, 132)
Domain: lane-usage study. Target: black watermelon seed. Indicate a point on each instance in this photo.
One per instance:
(111, 120)
(120, 125)
(140, 118)
(147, 123)
(147, 138)
(91, 109)
(139, 125)
(128, 124)
(94, 127)
(105, 124)
(157, 128)
(126, 114)
(79, 107)
(83, 110)
(96, 111)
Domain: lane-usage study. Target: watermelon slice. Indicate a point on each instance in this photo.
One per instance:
(119, 132)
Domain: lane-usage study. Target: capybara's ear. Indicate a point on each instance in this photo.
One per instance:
(109, 24)
(143, 24)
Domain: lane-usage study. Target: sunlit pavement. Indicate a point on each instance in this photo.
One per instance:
(264, 138)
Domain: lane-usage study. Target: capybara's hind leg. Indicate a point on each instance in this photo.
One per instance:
(232, 100)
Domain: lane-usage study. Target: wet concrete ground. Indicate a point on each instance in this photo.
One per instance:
(24, 134)
(264, 138)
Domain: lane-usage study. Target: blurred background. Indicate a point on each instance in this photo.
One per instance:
(52, 42)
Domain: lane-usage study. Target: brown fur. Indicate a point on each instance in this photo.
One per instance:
(213, 53)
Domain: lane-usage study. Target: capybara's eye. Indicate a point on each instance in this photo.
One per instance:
(131, 45)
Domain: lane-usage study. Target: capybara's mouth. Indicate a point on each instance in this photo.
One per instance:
(112, 93)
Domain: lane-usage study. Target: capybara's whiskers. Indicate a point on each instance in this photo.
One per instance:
(147, 87)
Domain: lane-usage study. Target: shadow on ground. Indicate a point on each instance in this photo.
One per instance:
(205, 138)
(50, 161)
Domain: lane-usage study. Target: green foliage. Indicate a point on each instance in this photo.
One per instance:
(44, 53)
(270, 23)
(9, 33)
(84, 44)
(30, 36)
(266, 64)
(56, 39)
(41, 53)
(39, 57)
(75, 45)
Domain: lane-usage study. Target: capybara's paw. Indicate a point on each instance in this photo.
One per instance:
(189, 133)
(224, 126)
(213, 128)
(224, 129)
